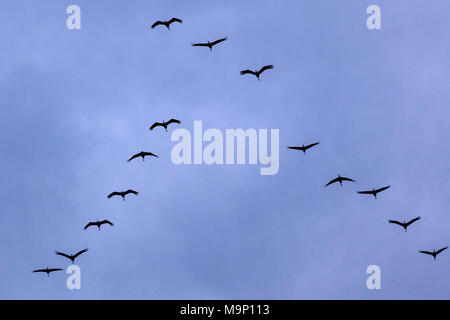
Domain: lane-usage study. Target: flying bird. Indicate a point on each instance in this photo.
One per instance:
(303, 147)
(47, 270)
(404, 224)
(434, 253)
(72, 257)
(166, 23)
(143, 154)
(164, 124)
(339, 179)
(210, 45)
(373, 191)
(122, 193)
(98, 224)
(257, 73)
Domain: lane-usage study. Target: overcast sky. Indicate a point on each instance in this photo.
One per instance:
(76, 104)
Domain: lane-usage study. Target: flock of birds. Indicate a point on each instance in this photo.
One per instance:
(143, 154)
(374, 193)
(122, 194)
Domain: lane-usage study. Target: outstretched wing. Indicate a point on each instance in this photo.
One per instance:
(440, 250)
(175, 20)
(426, 252)
(347, 179)
(112, 194)
(40, 270)
(412, 221)
(157, 23)
(80, 252)
(134, 156)
(365, 192)
(199, 44)
(396, 222)
(296, 148)
(156, 124)
(247, 72)
(130, 191)
(311, 145)
(218, 41)
(332, 181)
(150, 154)
(88, 225)
(382, 189)
(54, 269)
(106, 222)
(265, 68)
(173, 121)
(63, 254)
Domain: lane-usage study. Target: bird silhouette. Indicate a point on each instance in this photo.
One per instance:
(47, 270)
(166, 23)
(404, 224)
(121, 193)
(210, 45)
(434, 253)
(339, 179)
(143, 155)
(98, 224)
(164, 124)
(72, 257)
(257, 73)
(374, 192)
(303, 147)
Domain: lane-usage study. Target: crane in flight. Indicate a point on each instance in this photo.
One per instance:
(373, 191)
(47, 270)
(71, 257)
(257, 73)
(143, 155)
(164, 124)
(304, 148)
(208, 44)
(434, 253)
(121, 193)
(404, 224)
(339, 179)
(166, 23)
(98, 224)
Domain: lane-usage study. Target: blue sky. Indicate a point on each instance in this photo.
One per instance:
(76, 104)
